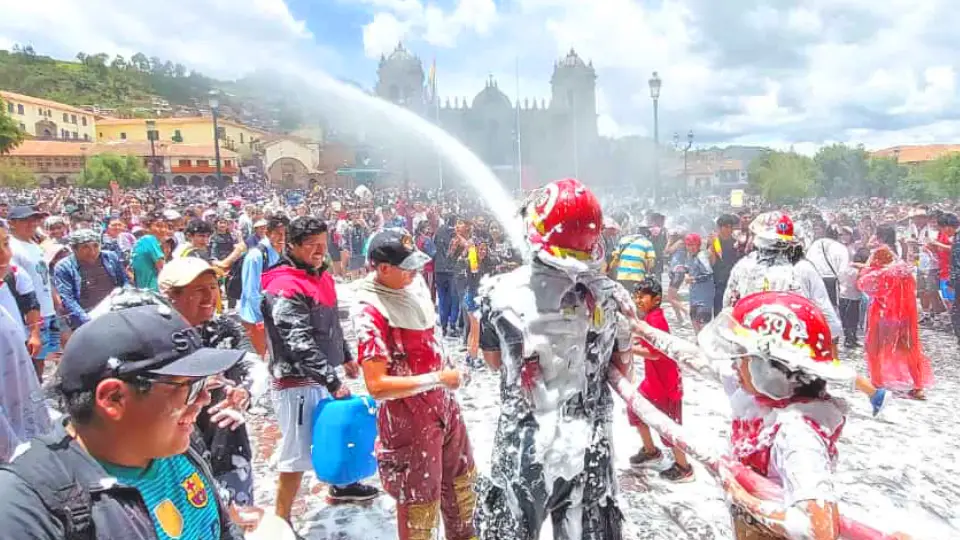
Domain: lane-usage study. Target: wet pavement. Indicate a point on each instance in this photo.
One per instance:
(901, 470)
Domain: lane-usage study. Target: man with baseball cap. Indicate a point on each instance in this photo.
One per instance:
(29, 256)
(132, 383)
(425, 459)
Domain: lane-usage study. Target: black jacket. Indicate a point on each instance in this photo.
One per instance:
(442, 262)
(302, 323)
(49, 473)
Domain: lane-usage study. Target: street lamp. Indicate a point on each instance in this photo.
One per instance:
(683, 148)
(152, 137)
(655, 84)
(215, 109)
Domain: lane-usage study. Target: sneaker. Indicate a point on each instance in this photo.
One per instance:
(678, 474)
(643, 458)
(352, 493)
(879, 400)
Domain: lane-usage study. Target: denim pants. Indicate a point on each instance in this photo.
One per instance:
(448, 301)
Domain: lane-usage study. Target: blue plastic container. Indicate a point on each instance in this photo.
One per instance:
(344, 432)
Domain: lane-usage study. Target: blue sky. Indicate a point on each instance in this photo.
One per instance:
(785, 73)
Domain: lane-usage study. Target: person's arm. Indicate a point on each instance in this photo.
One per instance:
(292, 319)
(157, 254)
(955, 264)
(250, 296)
(63, 281)
(809, 508)
(225, 264)
(679, 349)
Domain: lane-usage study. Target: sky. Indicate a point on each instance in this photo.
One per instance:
(781, 73)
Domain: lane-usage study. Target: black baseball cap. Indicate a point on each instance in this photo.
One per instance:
(396, 247)
(143, 340)
(24, 212)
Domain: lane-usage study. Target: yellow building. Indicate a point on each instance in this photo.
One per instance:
(45, 119)
(234, 136)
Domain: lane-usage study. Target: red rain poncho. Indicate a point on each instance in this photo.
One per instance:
(893, 350)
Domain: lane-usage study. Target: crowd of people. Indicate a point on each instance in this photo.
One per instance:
(147, 315)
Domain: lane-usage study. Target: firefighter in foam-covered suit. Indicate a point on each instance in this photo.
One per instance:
(552, 327)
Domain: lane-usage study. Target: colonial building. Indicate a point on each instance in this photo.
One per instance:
(60, 163)
(557, 138)
(234, 136)
(48, 120)
(916, 154)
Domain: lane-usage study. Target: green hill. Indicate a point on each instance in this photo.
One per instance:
(132, 87)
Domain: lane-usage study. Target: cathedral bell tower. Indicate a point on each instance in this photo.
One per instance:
(400, 79)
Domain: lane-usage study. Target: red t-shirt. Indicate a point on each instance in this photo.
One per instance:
(408, 352)
(943, 255)
(661, 378)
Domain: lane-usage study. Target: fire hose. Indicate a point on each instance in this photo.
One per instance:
(754, 483)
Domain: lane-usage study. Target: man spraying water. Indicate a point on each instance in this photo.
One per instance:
(552, 328)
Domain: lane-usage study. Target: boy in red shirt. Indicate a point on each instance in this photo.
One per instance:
(661, 386)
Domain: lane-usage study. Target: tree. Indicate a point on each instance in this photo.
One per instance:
(119, 63)
(101, 169)
(783, 177)
(842, 170)
(916, 185)
(16, 176)
(884, 176)
(179, 71)
(944, 175)
(140, 62)
(10, 134)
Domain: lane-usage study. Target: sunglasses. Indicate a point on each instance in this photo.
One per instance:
(194, 386)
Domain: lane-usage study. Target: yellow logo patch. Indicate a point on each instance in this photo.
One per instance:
(598, 316)
(169, 518)
(195, 490)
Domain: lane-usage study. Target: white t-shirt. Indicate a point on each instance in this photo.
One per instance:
(9, 302)
(23, 413)
(29, 256)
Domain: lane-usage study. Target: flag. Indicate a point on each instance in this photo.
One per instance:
(432, 80)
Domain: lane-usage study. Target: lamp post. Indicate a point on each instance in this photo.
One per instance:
(655, 84)
(152, 137)
(683, 148)
(215, 110)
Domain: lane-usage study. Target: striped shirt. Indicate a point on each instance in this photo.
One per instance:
(182, 502)
(636, 255)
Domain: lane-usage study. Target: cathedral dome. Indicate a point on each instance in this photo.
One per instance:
(572, 60)
(400, 57)
(491, 97)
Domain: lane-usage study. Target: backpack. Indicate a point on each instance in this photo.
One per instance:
(62, 494)
(11, 280)
(235, 276)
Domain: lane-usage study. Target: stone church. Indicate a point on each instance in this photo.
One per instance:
(558, 138)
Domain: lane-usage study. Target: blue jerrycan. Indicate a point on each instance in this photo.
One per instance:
(344, 432)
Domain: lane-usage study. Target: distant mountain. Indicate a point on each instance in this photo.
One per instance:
(144, 86)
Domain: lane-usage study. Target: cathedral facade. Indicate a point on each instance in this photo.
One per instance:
(557, 138)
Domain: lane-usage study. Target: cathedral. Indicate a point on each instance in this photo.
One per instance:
(556, 138)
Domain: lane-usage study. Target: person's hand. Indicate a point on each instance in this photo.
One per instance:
(224, 416)
(450, 378)
(352, 369)
(342, 393)
(246, 517)
(34, 345)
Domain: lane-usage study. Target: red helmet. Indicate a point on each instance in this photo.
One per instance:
(772, 229)
(692, 239)
(564, 219)
(780, 326)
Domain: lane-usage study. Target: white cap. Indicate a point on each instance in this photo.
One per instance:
(181, 271)
(171, 215)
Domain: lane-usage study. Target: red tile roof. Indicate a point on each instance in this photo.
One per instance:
(917, 153)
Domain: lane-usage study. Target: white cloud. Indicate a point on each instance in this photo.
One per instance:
(396, 20)
(217, 37)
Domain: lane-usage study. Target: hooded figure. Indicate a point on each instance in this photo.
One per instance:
(552, 327)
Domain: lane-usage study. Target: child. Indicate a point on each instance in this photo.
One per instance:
(700, 277)
(850, 296)
(661, 385)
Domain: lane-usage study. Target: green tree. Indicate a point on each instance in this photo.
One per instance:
(783, 177)
(884, 176)
(842, 170)
(10, 134)
(16, 176)
(126, 170)
(916, 185)
(944, 175)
